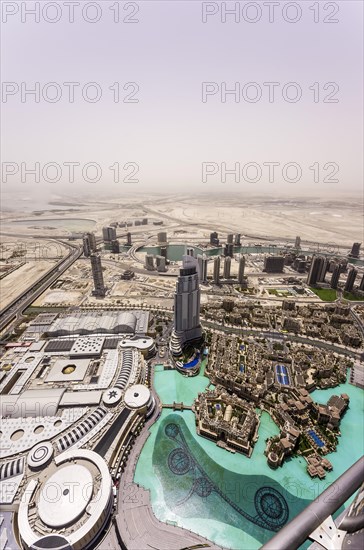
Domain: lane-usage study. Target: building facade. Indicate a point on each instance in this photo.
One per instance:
(241, 270)
(315, 270)
(351, 279)
(161, 264)
(274, 264)
(355, 250)
(108, 234)
(217, 262)
(89, 244)
(214, 238)
(335, 277)
(202, 268)
(227, 267)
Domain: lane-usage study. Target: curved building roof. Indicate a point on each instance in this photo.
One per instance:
(75, 497)
(63, 498)
(138, 342)
(97, 322)
(137, 396)
(40, 454)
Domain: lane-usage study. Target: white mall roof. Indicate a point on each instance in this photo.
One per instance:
(81, 398)
(37, 346)
(59, 374)
(65, 495)
(42, 402)
(87, 345)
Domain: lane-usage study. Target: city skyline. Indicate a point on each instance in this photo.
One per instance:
(163, 350)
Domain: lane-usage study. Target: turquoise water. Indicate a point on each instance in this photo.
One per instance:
(173, 386)
(351, 442)
(232, 479)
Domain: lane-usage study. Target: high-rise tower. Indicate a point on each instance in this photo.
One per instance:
(160, 263)
(98, 277)
(241, 270)
(149, 262)
(316, 270)
(89, 244)
(217, 270)
(323, 270)
(187, 326)
(355, 250)
(335, 277)
(108, 234)
(202, 268)
(227, 267)
(162, 238)
(361, 286)
(214, 238)
(350, 279)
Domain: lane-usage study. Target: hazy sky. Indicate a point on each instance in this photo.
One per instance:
(169, 52)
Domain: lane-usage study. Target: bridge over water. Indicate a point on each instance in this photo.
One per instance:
(177, 406)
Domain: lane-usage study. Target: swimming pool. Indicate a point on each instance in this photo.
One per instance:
(192, 363)
(282, 375)
(316, 438)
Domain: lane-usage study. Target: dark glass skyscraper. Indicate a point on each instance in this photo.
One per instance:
(97, 275)
(186, 306)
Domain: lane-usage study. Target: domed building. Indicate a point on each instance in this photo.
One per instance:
(73, 499)
(139, 397)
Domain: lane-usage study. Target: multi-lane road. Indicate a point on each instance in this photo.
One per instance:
(12, 313)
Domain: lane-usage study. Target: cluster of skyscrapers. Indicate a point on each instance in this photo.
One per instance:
(110, 239)
(231, 241)
(187, 326)
(321, 265)
(227, 269)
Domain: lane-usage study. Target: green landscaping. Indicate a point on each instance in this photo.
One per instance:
(36, 310)
(351, 296)
(325, 294)
(277, 292)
